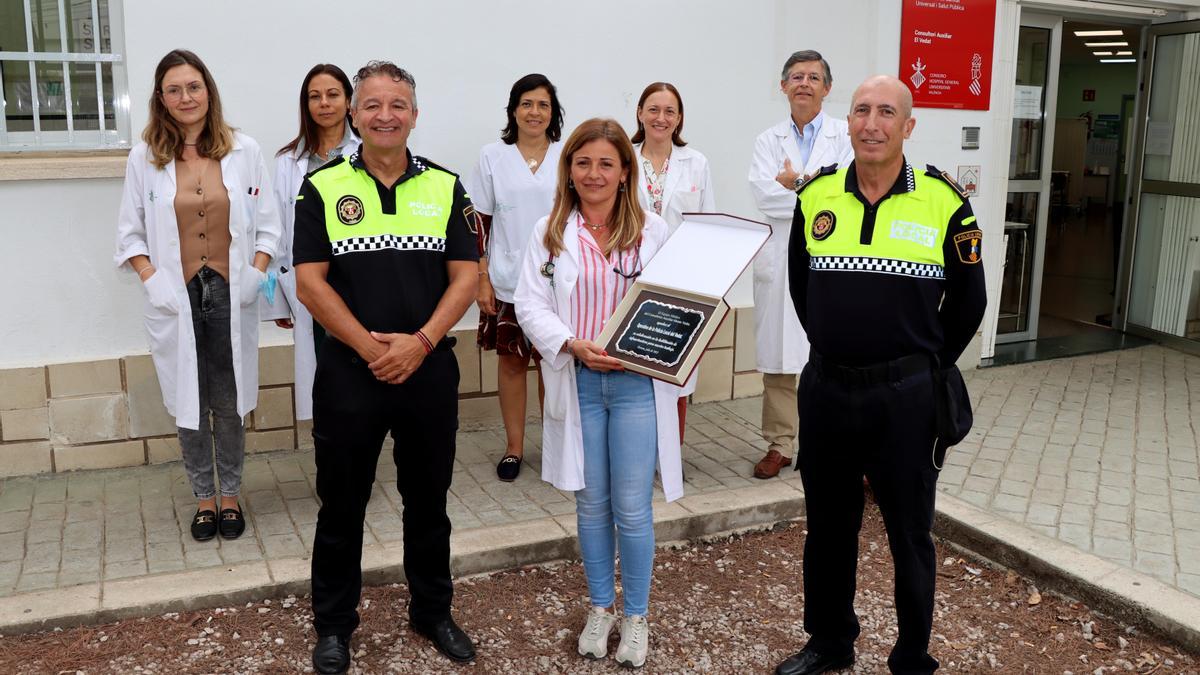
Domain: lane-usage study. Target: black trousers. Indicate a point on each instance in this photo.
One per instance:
(352, 413)
(885, 431)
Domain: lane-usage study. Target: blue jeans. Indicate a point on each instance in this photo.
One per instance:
(620, 452)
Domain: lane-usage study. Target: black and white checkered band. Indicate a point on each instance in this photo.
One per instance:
(910, 181)
(877, 265)
(419, 242)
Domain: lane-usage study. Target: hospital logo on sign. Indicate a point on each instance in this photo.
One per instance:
(918, 78)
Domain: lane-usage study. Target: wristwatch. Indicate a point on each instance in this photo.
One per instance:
(797, 183)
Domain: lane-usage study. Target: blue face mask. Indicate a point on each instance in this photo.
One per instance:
(267, 286)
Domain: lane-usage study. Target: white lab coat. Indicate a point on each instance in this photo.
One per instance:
(688, 189)
(780, 341)
(290, 169)
(147, 226)
(544, 312)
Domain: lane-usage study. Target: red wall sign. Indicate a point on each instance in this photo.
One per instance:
(946, 52)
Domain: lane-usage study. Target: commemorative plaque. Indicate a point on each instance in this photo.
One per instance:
(673, 310)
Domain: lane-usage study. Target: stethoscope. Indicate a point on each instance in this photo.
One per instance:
(547, 268)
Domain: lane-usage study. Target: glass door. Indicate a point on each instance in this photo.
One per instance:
(1163, 276)
(1029, 161)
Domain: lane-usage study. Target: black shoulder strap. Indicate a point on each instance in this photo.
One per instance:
(934, 172)
(823, 171)
(433, 165)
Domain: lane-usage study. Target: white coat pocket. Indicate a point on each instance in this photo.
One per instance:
(249, 285)
(160, 293)
(686, 202)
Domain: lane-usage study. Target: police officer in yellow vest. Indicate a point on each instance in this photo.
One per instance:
(386, 261)
(885, 273)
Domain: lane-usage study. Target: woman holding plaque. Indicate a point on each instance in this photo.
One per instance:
(511, 188)
(604, 428)
(675, 178)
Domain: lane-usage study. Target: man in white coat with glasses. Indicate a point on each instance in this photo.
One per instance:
(784, 155)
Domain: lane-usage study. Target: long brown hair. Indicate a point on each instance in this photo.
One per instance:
(309, 137)
(640, 134)
(628, 218)
(164, 135)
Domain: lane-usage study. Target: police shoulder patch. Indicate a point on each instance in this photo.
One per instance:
(823, 171)
(969, 246)
(823, 225)
(934, 172)
(350, 210)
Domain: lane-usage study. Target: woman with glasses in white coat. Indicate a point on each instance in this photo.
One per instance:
(675, 179)
(198, 227)
(325, 134)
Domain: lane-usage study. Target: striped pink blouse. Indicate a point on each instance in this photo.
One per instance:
(599, 289)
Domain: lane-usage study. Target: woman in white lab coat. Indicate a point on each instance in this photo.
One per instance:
(511, 188)
(675, 179)
(325, 133)
(604, 429)
(198, 227)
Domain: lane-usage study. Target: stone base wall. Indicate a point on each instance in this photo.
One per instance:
(107, 414)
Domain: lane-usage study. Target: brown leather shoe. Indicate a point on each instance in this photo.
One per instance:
(769, 466)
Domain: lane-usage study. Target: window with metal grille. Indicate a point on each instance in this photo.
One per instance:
(62, 75)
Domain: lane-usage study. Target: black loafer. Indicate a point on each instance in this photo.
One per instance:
(448, 638)
(811, 662)
(233, 523)
(509, 468)
(204, 525)
(331, 655)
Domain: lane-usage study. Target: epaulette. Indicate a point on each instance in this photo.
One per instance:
(823, 171)
(331, 163)
(422, 161)
(934, 172)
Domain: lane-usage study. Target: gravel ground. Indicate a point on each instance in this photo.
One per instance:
(731, 605)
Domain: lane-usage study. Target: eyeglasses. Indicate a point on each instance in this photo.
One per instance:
(175, 92)
(798, 78)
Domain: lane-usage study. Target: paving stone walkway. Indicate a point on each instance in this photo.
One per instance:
(1099, 451)
(97, 526)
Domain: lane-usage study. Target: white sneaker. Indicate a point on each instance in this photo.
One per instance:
(635, 642)
(593, 641)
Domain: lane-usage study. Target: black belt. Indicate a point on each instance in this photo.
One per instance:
(873, 373)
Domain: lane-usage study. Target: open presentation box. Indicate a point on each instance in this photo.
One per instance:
(675, 306)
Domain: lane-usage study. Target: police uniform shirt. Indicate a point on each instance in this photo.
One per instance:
(387, 247)
(873, 283)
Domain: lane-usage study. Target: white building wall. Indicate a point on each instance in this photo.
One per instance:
(64, 302)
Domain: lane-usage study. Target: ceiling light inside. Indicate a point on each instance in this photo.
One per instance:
(1118, 60)
(1103, 53)
(1106, 44)
(1098, 33)
(1120, 54)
